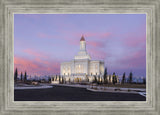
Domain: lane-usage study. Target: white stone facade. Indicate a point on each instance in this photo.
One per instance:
(82, 68)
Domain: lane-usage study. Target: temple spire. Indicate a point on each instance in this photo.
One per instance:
(82, 54)
(82, 38)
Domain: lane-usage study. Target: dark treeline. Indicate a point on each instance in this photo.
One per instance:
(114, 77)
(23, 78)
(107, 79)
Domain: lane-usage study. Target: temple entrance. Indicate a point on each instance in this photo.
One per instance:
(77, 80)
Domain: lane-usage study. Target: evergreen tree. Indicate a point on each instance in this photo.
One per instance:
(144, 80)
(59, 79)
(105, 75)
(98, 78)
(62, 80)
(25, 76)
(123, 78)
(56, 77)
(130, 77)
(110, 78)
(21, 76)
(114, 78)
(95, 79)
(87, 79)
(69, 80)
(49, 79)
(15, 75)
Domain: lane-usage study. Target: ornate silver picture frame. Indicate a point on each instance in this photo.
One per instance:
(10, 7)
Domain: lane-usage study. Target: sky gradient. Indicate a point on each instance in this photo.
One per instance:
(43, 41)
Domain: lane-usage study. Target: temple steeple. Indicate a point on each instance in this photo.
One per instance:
(82, 38)
(82, 44)
(82, 54)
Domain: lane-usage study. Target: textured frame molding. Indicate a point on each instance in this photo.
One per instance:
(7, 10)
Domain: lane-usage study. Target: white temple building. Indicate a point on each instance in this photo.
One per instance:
(82, 68)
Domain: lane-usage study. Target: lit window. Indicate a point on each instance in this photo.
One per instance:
(96, 66)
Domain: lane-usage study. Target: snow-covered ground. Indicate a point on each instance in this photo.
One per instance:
(41, 86)
(143, 93)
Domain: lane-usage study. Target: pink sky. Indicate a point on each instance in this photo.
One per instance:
(43, 41)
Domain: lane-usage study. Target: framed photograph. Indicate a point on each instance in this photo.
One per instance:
(101, 55)
(79, 57)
